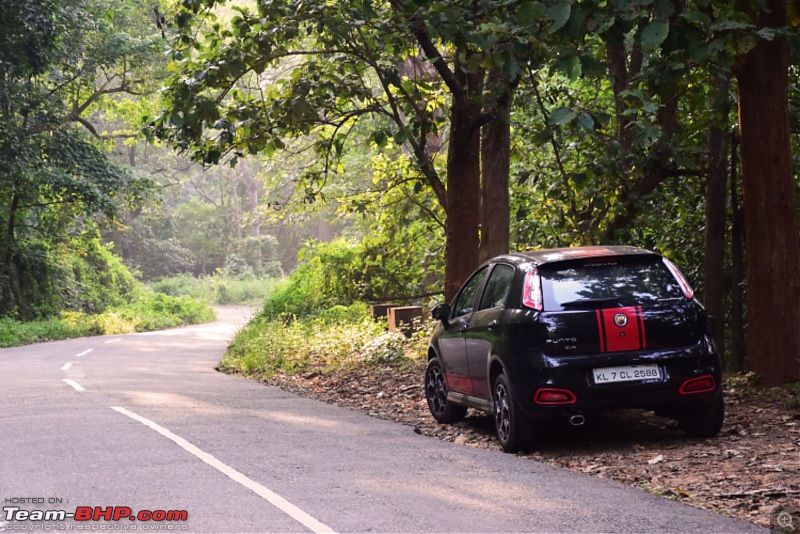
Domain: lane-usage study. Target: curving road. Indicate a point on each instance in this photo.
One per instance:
(110, 427)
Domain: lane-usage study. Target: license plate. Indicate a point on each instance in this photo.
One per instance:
(626, 373)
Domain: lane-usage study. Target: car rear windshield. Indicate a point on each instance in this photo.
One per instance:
(605, 282)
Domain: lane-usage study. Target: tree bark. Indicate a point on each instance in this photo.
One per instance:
(8, 260)
(495, 163)
(770, 204)
(714, 263)
(738, 345)
(463, 184)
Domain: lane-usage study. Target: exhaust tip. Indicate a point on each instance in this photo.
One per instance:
(577, 420)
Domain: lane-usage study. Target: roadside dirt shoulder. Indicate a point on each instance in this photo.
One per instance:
(751, 469)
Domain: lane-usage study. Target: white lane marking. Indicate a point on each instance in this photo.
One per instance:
(74, 384)
(66, 366)
(265, 493)
(84, 353)
(112, 340)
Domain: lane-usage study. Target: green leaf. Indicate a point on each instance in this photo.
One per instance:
(654, 34)
(697, 17)
(379, 138)
(560, 116)
(558, 14)
(723, 24)
(529, 13)
(573, 68)
(585, 121)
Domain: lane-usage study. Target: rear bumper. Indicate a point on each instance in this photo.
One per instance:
(663, 394)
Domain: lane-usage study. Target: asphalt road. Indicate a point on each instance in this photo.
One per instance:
(143, 422)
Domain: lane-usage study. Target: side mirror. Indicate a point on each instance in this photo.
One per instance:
(441, 312)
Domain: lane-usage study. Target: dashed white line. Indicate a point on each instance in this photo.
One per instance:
(265, 493)
(112, 340)
(84, 353)
(66, 366)
(74, 384)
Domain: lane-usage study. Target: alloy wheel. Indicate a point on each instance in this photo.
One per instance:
(502, 412)
(435, 390)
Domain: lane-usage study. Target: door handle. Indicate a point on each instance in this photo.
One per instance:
(493, 324)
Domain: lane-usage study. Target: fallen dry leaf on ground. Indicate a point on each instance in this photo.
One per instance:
(747, 471)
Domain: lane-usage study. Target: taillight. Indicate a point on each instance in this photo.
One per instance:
(551, 396)
(687, 289)
(532, 290)
(701, 384)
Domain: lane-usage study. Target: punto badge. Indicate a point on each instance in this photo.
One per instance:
(620, 319)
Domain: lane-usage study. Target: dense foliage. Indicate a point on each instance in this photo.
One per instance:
(146, 311)
(220, 289)
(338, 339)
(395, 143)
(612, 120)
(57, 187)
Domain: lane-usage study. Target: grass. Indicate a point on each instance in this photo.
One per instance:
(337, 339)
(219, 289)
(148, 311)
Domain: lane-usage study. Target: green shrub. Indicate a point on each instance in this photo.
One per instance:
(84, 275)
(387, 348)
(147, 311)
(320, 344)
(219, 289)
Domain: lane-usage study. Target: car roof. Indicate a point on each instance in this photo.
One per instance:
(553, 255)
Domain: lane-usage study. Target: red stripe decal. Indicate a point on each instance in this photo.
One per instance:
(600, 331)
(621, 329)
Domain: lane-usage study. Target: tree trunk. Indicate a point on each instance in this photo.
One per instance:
(770, 205)
(8, 260)
(255, 222)
(463, 185)
(738, 348)
(495, 162)
(714, 264)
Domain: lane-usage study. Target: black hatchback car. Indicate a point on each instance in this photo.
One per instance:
(566, 333)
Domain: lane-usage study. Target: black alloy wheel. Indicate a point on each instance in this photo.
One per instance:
(514, 430)
(436, 393)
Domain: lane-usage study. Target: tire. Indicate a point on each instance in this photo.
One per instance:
(705, 422)
(436, 393)
(514, 431)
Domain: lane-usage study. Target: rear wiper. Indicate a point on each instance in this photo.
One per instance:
(590, 303)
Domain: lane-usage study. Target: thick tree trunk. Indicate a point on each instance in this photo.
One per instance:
(770, 204)
(714, 264)
(495, 159)
(463, 186)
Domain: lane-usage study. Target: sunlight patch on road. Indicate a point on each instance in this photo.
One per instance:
(284, 417)
(152, 399)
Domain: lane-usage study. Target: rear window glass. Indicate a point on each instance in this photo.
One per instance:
(624, 281)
